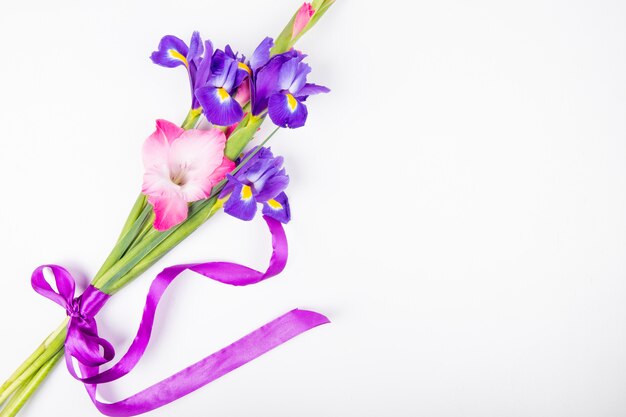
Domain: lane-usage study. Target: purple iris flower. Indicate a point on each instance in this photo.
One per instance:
(216, 97)
(279, 85)
(214, 77)
(261, 180)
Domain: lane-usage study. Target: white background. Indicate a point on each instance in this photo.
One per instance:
(459, 205)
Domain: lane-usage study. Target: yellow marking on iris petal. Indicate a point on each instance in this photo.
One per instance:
(244, 67)
(291, 102)
(218, 204)
(177, 55)
(246, 192)
(222, 94)
(274, 204)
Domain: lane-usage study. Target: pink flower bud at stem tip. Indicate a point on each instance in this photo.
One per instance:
(302, 19)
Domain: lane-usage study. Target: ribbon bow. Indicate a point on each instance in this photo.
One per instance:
(82, 340)
(84, 344)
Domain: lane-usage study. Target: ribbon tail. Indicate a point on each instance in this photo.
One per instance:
(255, 344)
(224, 272)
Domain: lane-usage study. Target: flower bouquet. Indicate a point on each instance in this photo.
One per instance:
(189, 175)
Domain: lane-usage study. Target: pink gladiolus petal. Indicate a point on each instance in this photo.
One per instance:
(194, 156)
(170, 209)
(169, 130)
(155, 150)
(221, 171)
(302, 19)
(157, 182)
(200, 188)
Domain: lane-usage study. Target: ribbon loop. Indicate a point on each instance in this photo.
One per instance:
(64, 282)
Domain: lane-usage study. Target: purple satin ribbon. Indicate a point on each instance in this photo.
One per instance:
(91, 351)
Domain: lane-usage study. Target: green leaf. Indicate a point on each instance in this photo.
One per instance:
(242, 135)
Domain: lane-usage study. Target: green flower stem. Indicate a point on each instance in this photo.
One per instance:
(192, 118)
(34, 361)
(135, 212)
(19, 371)
(139, 211)
(146, 228)
(151, 240)
(28, 388)
(134, 254)
(200, 212)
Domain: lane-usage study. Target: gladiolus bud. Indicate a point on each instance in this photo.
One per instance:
(304, 19)
(242, 96)
(303, 16)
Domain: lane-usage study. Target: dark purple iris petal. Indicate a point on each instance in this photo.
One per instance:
(229, 52)
(231, 76)
(220, 66)
(202, 73)
(293, 74)
(230, 185)
(300, 78)
(226, 71)
(261, 161)
(274, 186)
(196, 49)
(219, 107)
(285, 110)
(261, 54)
(287, 74)
(241, 203)
(260, 168)
(242, 70)
(278, 209)
(312, 89)
(172, 52)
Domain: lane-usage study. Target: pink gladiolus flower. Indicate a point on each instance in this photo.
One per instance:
(181, 166)
(302, 19)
